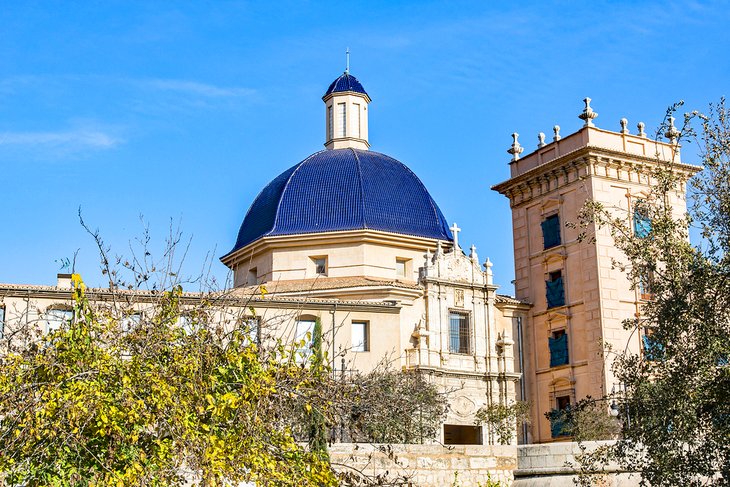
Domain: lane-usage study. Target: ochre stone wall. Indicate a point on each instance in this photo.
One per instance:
(430, 465)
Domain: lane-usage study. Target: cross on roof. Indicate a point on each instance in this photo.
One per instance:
(455, 231)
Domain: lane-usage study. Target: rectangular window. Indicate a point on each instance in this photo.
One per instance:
(653, 349)
(356, 109)
(551, 231)
(360, 331)
(2, 322)
(186, 323)
(131, 321)
(554, 291)
(320, 265)
(341, 119)
(642, 221)
(330, 123)
(253, 277)
(400, 268)
(55, 318)
(645, 292)
(558, 344)
(559, 424)
(250, 326)
(458, 434)
(459, 333)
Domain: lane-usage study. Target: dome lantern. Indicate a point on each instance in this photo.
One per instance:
(346, 114)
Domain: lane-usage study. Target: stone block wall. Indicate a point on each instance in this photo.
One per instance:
(554, 465)
(430, 465)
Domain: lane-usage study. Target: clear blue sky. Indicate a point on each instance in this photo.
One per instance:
(185, 110)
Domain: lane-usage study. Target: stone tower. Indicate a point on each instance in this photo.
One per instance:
(578, 299)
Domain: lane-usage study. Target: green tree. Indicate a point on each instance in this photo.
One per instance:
(105, 402)
(676, 403)
(387, 406)
(504, 420)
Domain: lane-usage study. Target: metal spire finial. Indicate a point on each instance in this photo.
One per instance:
(347, 55)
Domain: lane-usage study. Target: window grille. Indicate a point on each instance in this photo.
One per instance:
(459, 333)
(330, 123)
(551, 231)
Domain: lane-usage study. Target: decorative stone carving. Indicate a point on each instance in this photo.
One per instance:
(488, 270)
(463, 406)
(588, 114)
(672, 133)
(624, 126)
(459, 298)
(473, 254)
(540, 140)
(556, 133)
(516, 148)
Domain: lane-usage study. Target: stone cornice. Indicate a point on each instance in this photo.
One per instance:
(584, 162)
(464, 285)
(265, 244)
(226, 298)
(465, 374)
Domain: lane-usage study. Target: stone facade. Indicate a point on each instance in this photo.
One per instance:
(430, 465)
(554, 182)
(555, 465)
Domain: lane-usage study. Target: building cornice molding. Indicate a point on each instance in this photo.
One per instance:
(460, 284)
(580, 163)
(358, 236)
(336, 94)
(226, 298)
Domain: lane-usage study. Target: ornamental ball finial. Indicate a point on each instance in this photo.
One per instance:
(588, 114)
(556, 133)
(624, 126)
(540, 140)
(641, 126)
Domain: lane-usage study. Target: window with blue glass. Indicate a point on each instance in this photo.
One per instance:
(560, 424)
(653, 349)
(642, 220)
(558, 344)
(554, 290)
(551, 231)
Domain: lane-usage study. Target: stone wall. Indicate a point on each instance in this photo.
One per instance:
(554, 465)
(430, 465)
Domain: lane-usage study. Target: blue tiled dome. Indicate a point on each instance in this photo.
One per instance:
(346, 82)
(344, 189)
